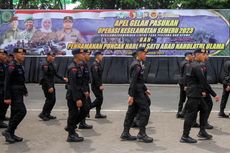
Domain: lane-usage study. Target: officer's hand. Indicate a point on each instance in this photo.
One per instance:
(227, 88)
(102, 88)
(65, 79)
(185, 88)
(7, 101)
(204, 94)
(87, 94)
(79, 103)
(51, 90)
(130, 100)
(148, 92)
(26, 95)
(217, 98)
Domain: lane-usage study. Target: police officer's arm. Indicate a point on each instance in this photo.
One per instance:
(76, 91)
(133, 83)
(203, 81)
(95, 75)
(227, 73)
(45, 68)
(58, 75)
(7, 83)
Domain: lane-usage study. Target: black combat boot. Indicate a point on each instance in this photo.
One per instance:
(204, 134)
(73, 137)
(127, 136)
(16, 138)
(187, 139)
(208, 126)
(222, 114)
(142, 136)
(8, 136)
(51, 117)
(83, 125)
(98, 113)
(43, 117)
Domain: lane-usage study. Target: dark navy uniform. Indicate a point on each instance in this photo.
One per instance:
(207, 98)
(225, 94)
(96, 73)
(183, 65)
(15, 89)
(3, 106)
(196, 84)
(47, 81)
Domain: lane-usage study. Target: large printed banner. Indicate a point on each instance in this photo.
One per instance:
(116, 32)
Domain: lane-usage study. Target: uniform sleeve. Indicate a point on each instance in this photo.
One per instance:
(76, 91)
(133, 83)
(95, 75)
(203, 81)
(45, 68)
(58, 75)
(7, 83)
(226, 80)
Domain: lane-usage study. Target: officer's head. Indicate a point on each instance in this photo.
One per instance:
(14, 22)
(78, 54)
(199, 55)
(207, 52)
(141, 53)
(98, 56)
(87, 54)
(3, 55)
(29, 23)
(188, 56)
(68, 22)
(19, 54)
(51, 56)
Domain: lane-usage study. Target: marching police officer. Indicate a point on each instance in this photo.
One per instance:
(183, 65)
(47, 81)
(14, 91)
(86, 88)
(96, 84)
(226, 89)
(3, 106)
(207, 96)
(196, 84)
(138, 100)
(76, 99)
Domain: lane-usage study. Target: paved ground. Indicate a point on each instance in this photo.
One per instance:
(49, 137)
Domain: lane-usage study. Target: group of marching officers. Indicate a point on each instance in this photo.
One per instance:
(193, 86)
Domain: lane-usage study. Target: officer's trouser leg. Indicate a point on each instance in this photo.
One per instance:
(18, 112)
(72, 116)
(203, 107)
(49, 102)
(224, 99)
(143, 103)
(182, 98)
(3, 108)
(192, 107)
(98, 101)
(209, 102)
(130, 114)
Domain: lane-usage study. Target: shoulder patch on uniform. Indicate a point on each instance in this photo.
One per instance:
(74, 69)
(11, 67)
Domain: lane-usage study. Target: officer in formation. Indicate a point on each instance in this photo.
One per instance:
(86, 88)
(3, 106)
(197, 89)
(47, 81)
(14, 91)
(226, 89)
(76, 98)
(96, 84)
(138, 100)
(183, 65)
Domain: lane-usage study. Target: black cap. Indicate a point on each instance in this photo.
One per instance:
(19, 50)
(187, 53)
(70, 18)
(199, 50)
(140, 49)
(51, 54)
(87, 51)
(97, 53)
(77, 51)
(3, 51)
